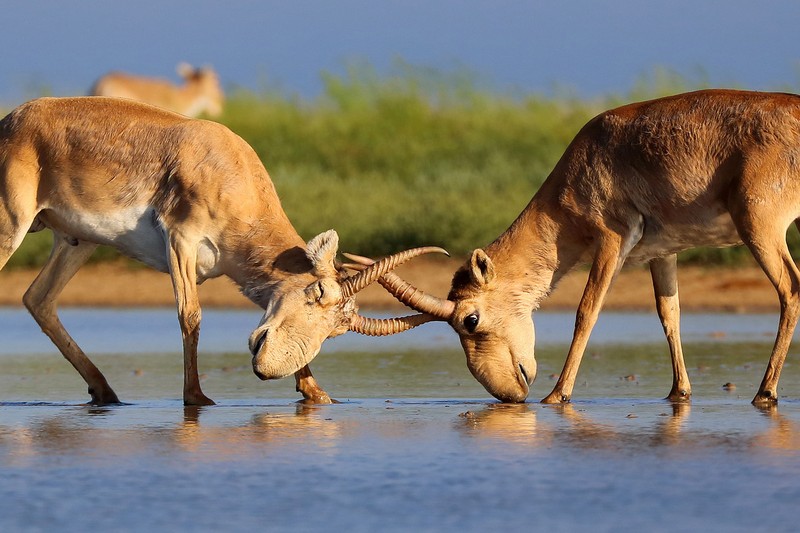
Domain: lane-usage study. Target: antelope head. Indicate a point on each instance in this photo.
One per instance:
(204, 82)
(316, 303)
(497, 335)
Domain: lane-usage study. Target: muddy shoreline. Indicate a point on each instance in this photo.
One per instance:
(742, 289)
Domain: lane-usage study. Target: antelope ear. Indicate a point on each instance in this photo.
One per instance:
(184, 70)
(481, 268)
(321, 251)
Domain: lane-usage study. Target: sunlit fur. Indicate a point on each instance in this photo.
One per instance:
(301, 311)
(187, 197)
(500, 350)
(638, 184)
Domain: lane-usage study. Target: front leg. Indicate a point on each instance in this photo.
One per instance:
(310, 389)
(182, 263)
(607, 262)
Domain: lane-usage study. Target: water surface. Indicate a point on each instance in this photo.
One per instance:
(416, 444)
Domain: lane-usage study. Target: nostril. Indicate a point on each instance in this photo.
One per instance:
(256, 345)
(524, 374)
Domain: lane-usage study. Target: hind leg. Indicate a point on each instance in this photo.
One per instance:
(664, 272)
(40, 299)
(19, 215)
(765, 237)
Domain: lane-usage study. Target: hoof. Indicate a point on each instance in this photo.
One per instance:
(682, 395)
(103, 397)
(556, 399)
(322, 399)
(198, 401)
(765, 398)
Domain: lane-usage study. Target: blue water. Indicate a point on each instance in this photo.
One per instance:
(415, 445)
(156, 330)
(409, 465)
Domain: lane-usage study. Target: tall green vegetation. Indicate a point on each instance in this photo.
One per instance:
(416, 157)
(413, 157)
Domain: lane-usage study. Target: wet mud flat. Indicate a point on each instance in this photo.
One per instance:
(415, 444)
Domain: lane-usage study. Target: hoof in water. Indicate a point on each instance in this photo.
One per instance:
(103, 397)
(765, 398)
(318, 400)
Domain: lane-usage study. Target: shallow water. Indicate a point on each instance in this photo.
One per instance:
(416, 443)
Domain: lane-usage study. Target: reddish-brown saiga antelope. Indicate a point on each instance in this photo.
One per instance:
(637, 184)
(184, 196)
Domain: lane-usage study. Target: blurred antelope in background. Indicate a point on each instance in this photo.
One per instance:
(639, 183)
(200, 93)
(187, 197)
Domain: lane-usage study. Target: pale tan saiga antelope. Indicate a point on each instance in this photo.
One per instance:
(638, 183)
(187, 197)
(200, 92)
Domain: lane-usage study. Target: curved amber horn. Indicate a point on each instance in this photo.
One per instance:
(359, 281)
(406, 293)
(380, 327)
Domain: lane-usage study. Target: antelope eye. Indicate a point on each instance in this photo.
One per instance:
(315, 292)
(471, 322)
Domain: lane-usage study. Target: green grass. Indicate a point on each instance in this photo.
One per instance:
(414, 156)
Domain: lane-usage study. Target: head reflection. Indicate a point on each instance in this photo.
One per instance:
(512, 422)
(571, 427)
(263, 433)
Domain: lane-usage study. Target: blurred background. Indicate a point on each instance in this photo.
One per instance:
(405, 122)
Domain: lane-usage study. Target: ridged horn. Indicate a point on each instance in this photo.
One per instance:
(406, 293)
(359, 281)
(380, 327)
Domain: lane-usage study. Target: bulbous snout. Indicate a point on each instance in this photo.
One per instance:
(278, 353)
(514, 390)
(256, 344)
(505, 376)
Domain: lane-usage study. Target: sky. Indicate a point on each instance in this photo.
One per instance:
(590, 47)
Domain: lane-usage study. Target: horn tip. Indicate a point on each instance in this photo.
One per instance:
(360, 259)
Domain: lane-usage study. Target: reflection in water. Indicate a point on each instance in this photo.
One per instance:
(64, 433)
(518, 424)
(390, 454)
(337, 466)
(515, 423)
(216, 442)
(670, 429)
(207, 435)
(783, 434)
(78, 432)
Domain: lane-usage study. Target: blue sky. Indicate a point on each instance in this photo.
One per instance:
(589, 46)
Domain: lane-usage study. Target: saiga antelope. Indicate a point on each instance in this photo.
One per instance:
(200, 92)
(637, 184)
(184, 196)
